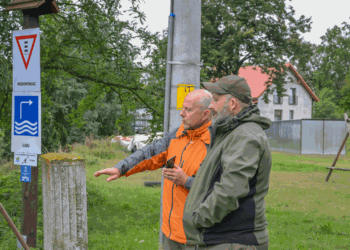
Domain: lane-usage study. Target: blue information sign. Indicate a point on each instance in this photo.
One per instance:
(26, 123)
(26, 116)
(26, 173)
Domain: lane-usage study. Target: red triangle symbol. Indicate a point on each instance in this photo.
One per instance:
(27, 52)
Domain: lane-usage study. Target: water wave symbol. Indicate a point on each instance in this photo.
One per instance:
(26, 122)
(26, 126)
(26, 130)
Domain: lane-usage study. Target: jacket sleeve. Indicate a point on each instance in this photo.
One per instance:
(239, 160)
(155, 148)
(189, 182)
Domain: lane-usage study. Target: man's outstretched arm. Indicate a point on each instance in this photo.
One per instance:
(157, 147)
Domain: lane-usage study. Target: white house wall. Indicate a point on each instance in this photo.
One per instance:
(302, 110)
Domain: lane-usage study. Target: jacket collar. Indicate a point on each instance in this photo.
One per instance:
(201, 132)
(229, 123)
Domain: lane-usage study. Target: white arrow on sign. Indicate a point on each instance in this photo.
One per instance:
(30, 103)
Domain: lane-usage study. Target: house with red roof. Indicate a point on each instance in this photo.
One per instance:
(296, 105)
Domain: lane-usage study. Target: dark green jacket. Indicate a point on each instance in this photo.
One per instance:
(226, 202)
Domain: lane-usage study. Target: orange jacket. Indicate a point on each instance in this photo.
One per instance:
(190, 149)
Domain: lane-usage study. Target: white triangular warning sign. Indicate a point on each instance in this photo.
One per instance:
(25, 46)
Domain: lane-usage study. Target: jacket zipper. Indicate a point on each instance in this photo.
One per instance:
(211, 190)
(212, 138)
(172, 192)
(171, 210)
(202, 234)
(181, 165)
(184, 150)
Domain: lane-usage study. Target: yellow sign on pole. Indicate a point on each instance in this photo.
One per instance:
(182, 92)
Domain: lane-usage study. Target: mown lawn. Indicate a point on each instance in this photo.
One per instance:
(303, 211)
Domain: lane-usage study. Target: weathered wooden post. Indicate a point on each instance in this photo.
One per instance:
(31, 10)
(64, 202)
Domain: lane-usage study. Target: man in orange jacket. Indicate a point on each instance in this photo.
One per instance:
(188, 143)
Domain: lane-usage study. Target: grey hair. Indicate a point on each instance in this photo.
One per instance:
(205, 101)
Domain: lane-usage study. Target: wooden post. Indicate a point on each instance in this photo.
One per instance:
(64, 202)
(31, 10)
(30, 19)
(347, 120)
(30, 208)
(30, 189)
(13, 227)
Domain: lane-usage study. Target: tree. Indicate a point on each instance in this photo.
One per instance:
(5, 103)
(262, 33)
(330, 63)
(5, 92)
(335, 62)
(326, 108)
(344, 103)
(90, 80)
(329, 68)
(307, 68)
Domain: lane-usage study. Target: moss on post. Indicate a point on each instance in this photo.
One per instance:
(64, 201)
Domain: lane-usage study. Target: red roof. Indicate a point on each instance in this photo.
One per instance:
(256, 80)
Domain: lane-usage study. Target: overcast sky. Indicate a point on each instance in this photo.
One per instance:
(325, 14)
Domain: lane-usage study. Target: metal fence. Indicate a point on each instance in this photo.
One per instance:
(307, 136)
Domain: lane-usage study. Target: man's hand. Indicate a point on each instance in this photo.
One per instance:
(114, 172)
(176, 175)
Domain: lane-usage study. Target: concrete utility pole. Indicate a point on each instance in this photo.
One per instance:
(183, 71)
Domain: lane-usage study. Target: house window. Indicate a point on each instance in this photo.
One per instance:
(278, 115)
(292, 97)
(291, 114)
(276, 98)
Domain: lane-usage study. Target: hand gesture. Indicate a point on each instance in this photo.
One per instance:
(113, 172)
(176, 175)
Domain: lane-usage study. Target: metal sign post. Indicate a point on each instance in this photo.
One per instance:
(26, 107)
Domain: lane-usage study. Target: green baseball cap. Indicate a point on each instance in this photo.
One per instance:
(233, 85)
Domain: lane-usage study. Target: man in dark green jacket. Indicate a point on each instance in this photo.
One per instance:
(225, 208)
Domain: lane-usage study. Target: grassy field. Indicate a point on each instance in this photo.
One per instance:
(303, 211)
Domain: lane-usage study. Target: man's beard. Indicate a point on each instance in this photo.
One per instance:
(220, 115)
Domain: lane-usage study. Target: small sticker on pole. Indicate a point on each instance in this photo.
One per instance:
(182, 91)
(26, 173)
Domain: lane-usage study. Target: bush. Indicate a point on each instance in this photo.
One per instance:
(10, 198)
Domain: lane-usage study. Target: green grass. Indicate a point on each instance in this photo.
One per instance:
(303, 211)
(309, 230)
(283, 161)
(129, 221)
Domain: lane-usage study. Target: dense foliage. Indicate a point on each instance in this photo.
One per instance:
(93, 79)
(90, 80)
(328, 71)
(250, 32)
